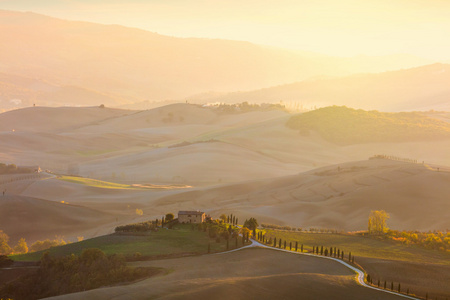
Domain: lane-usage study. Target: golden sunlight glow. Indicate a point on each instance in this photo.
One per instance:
(339, 28)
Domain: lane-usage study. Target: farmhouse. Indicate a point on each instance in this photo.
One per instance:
(35, 169)
(189, 216)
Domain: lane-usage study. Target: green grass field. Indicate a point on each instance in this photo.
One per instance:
(96, 183)
(363, 246)
(179, 240)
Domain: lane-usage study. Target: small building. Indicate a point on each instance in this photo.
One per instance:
(190, 216)
(35, 169)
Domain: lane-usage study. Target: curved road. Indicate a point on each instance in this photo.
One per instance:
(360, 274)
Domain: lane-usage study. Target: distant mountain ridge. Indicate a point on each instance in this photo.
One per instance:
(131, 65)
(421, 88)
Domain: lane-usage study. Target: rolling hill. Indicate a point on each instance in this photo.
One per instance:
(343, 125)
(250, 273)
(55, 119)
(339, 196)
(420, 88)
(37, 219)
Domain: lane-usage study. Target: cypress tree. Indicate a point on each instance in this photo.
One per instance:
(399, 287)
(279, 243)
(331, 251)
(407, 291)
(296, 246)
(321, 250)
(349, 256)
(274, 241)
(392, 286)
(385, 284)
(342, 255)
(334, 251)
(339, 253)
(302, 248)
(378, 282)
(326, 252)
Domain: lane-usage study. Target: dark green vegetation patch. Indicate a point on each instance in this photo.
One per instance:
(343, 125)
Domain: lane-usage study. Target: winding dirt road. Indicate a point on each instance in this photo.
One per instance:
(360, 274)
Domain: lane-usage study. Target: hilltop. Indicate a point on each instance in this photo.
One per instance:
(343, 125)
(55, 119)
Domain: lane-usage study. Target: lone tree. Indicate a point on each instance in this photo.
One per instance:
(170, 217)
(4, 247)
(377, 222)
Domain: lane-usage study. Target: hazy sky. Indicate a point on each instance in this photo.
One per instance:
(335, 27)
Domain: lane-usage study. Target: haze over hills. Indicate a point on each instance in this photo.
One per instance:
(421, 88)
(17, 91)
(164, 145)
(234, 161)
(77, 63)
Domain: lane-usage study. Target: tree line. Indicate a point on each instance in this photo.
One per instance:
(62, 275)
(22, 247)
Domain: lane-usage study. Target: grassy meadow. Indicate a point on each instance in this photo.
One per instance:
(363, 246)
(112, 185)
(180, 240)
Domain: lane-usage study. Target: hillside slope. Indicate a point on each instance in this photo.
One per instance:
(37, 219)
(343, 125)
(246, 274)
(55, 119)
(339, 197)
